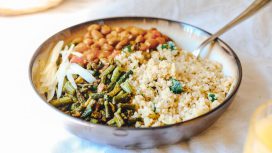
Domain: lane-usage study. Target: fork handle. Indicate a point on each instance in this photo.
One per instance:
(252, 9)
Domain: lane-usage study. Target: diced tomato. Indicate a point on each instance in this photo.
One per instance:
(78, 60)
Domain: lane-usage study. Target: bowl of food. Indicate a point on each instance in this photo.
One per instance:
(132, 82)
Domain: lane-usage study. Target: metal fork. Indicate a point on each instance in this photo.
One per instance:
(251, 10)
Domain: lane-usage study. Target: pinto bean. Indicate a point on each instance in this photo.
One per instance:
(96, 34)
(114, 33)
(107, 47)
(161, 40)
(81, 47)
(124, 34)
(135, 31)
(143, 47)
(118, 29)
(121, 44)
(87, 35)
(105, 29)
(113, 41)
(104, 54)
(77, 40)
(96, 46)
(94, 27)
(88, 41)
(102, 41)
(152, 43)
(139, 39)
(91, 54)
(156, 33)
(148, 35)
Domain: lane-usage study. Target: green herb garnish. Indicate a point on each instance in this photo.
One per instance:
(176, 86)
(212, 97)
(127, 49)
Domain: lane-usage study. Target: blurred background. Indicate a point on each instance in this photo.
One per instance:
(29, 128)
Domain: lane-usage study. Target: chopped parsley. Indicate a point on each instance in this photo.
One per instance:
(169, 45)
(164, 46)
(176, 86)
(127, 49)
(212, 97)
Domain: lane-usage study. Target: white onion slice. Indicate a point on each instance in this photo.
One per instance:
(60, 85)
(77, 54)
(55, 52)
(71, 79)
(51, 93)
(85, 74)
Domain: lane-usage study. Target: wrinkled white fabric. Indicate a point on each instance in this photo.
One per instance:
(27, 127)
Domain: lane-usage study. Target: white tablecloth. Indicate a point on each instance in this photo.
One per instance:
(25, 126)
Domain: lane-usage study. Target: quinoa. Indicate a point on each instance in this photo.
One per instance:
(204, 85)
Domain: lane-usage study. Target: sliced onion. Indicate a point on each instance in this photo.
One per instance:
(77, 54)
(60, 77)
(51, 93)
(71, 79)
(91, 72)
(48, 75)
(85, 74)
(60, 85)
(55, 52)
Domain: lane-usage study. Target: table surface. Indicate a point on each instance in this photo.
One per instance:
(26, 125)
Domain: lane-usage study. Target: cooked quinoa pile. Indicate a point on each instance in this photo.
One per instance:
(203, 85)
(130, 77)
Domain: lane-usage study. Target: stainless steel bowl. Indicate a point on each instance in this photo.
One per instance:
(187, 37)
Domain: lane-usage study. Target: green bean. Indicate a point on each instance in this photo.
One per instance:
(124, 77)
(61, 101)
(89, 66)
(96, 96)
(115, 90)
(76, 107)
(118, 120)
(112, 107)
(93, 88)
(107, 71)
(90, 87)
(126, 87)
(82, 90)
(111, 86)
(109, 77)
(103, 79)
(94, 120)
(116, 74)
(69, 88)
(96, 115)
(127, 106)
(121, 98)
(80, 98)
(96, 73)
(120, 93)
(132, 121)
(74, 99)
(106, 105)
(87, 111)
(111, 122)
(119, 110)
